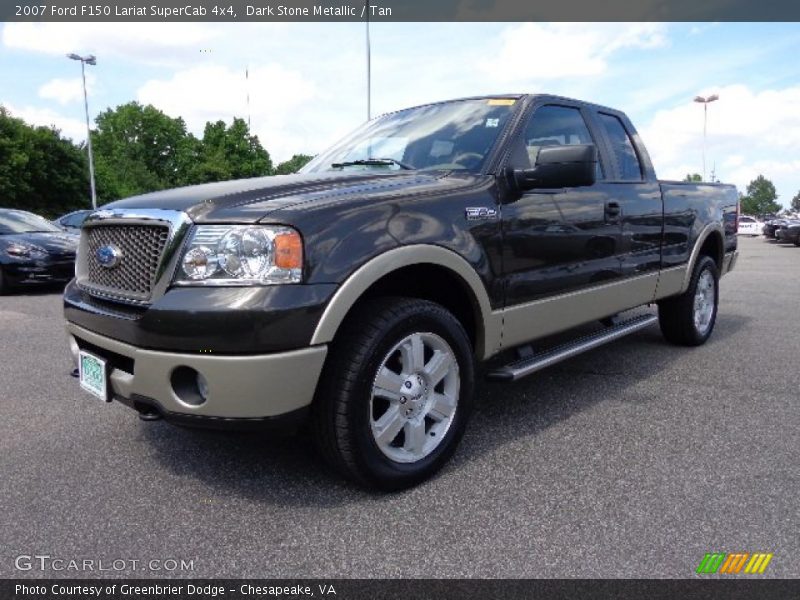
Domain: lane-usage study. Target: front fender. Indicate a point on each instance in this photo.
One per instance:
(489, 324)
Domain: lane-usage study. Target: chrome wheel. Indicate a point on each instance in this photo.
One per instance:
(704, 302)
(414, 397)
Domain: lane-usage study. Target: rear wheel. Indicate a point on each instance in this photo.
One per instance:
(689, 319)
(3, 282)
(396, 393)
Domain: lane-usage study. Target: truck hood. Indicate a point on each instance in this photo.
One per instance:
(250, 200)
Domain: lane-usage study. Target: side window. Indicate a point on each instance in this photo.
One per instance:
(553, 125)
(71, 221)
(622, 146)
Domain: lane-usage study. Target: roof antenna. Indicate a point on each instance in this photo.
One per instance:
(247, 88)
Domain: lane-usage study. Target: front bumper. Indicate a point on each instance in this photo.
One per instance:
(220, 320)
(40, 271)
(240, 387)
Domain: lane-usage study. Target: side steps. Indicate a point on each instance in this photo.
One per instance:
(540, 360)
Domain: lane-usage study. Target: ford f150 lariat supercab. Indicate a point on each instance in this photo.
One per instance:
(360, 294)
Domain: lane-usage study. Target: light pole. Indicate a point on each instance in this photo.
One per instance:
(369, 66)
(705, 102)
(87, 60)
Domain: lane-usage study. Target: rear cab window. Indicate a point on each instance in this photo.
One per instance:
(629, 167)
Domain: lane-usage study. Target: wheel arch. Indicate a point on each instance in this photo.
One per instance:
(395, 264)
(709, 243)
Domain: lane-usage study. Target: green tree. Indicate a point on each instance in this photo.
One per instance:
(693, 177)
(40, 171)
(227, 152)
(138, 149)
(293, 165)
(760, 198)
(796, 202)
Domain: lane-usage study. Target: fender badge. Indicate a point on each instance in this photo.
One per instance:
(480, 213)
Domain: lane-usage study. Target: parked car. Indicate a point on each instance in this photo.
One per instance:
(72, 221)
(750, 226)
(361, 292)
(789, 232)
(771, 227)
(33, 250)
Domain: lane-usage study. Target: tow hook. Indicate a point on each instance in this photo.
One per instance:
(150, 416)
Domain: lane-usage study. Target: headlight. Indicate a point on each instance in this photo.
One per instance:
(241, 255)
(25, 251)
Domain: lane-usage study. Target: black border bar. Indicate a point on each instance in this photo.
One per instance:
(397, 10)
(398, 589)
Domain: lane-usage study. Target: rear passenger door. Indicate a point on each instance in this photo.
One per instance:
(631, 185)
(558, 240)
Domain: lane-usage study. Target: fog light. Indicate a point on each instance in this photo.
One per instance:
(189, 386)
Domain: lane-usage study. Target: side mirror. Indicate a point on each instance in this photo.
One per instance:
(560, 166)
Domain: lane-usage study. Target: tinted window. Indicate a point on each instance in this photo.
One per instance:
(71, 220)
(75, 219)
(553, 126)
(621, 145)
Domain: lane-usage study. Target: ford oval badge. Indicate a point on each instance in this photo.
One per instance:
(108, 256)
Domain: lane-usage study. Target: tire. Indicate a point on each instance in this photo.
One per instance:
(372, 385)
(3, 283)
(676, 315)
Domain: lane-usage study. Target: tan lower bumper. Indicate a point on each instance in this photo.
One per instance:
(250, 386)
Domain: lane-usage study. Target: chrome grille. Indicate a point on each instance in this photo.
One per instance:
(134, 276)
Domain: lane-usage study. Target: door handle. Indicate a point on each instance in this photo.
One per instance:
(613, 209)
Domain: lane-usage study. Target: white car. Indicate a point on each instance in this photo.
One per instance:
(750, 226)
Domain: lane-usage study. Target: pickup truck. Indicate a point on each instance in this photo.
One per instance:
(360, 295)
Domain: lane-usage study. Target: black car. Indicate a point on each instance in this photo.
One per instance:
(789, 232)
(72, 222)
(771, 228)
(33, 250)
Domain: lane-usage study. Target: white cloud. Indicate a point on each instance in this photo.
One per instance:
(157, 43)
(532, 51)
(69, 127)
(749, 132)
(213, 92)
(65, 91)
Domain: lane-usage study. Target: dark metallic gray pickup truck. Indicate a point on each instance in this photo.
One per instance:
(360, 294)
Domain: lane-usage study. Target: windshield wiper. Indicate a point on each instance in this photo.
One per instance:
(372, 162)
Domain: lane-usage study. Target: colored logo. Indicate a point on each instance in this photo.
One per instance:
(108, 256)
(735, 563)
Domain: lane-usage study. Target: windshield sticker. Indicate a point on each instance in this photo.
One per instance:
(501, 102)
(492, 122)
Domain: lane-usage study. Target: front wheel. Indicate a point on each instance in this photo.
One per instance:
(396, 393)
(689, 319)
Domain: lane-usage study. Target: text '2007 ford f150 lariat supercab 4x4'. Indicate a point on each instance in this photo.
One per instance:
(361, 293)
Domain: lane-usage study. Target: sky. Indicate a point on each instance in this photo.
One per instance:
(307, 81)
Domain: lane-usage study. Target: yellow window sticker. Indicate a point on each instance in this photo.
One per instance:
(500, 101)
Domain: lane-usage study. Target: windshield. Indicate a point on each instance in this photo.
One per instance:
(450, 135)
(17, 221)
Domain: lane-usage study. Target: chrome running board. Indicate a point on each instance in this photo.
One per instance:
(538, 361)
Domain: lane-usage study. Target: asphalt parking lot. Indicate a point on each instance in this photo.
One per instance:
(632, 460)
